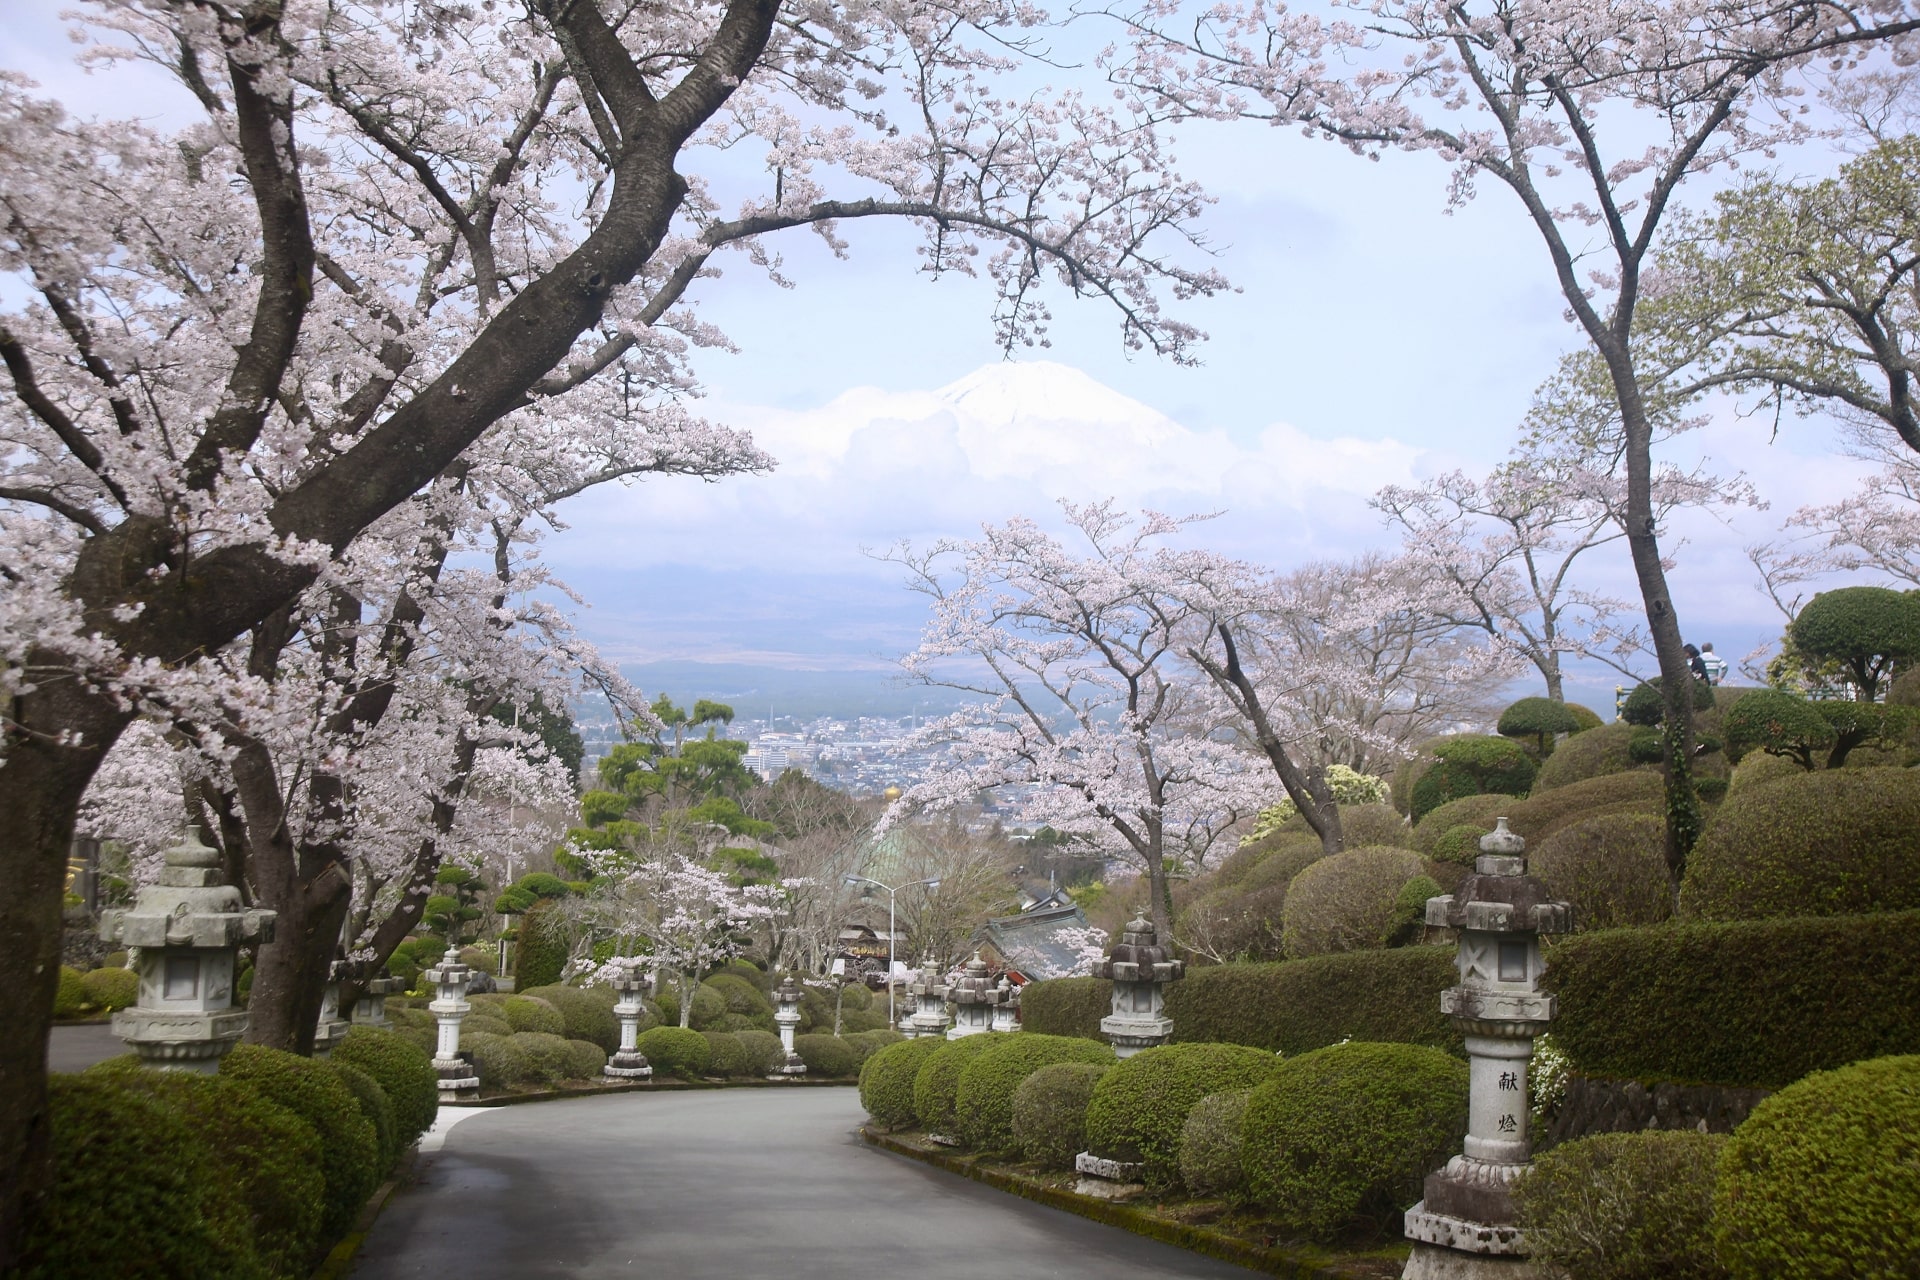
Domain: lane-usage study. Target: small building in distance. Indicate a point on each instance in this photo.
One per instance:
(1045, 942)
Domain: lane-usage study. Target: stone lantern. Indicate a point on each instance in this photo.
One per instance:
(786, 1016)
(974, 1000)
(331, 1027)
(1006, 1006)
(929, 1001)
(1463, 1229)
(1139, 969)
(631, 985)
(907, 1009)
(187, 928)
(371, 1009)
(448, 1007)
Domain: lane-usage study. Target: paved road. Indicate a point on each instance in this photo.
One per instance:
(739, 1184)
(77, 1046)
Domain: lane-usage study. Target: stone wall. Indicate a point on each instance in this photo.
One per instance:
(1593, 1106)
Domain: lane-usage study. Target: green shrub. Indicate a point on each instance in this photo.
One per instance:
(550, 1058)
(709, 1007)
(1364, 824)
(938, 1082)
(675, 1051)
(500, 1062)
(1302, 1005)
(266, 1158)
(1233, 923)
(1613, 869)
(374, 1106)
(1753, 1004)
(1344, 1136)
(1460, 844)
(1408, 773)
(1759, 767)
(586, 1013)
(857, 995)
(349, 1143)
(1624, 1206)
(404, 1071)
(763, 1049)
(827, 1055)
(1865, 629)
(1780, 724)
(541, 950)
(1287, 857)
(1210, 1144)
(70, 1000)
(886, 1081)
(1643, 706)
(1347, 902)
(1472, 765)
(111, 988)
(763, 981)
(1050, 1112)
(1827, 843)
(726, 1056)
(1539, 816)
(136, 1192)
(983, 1104)
(853, 1021)
(742, 999)
(1479, 811)
(1822, 1180)
(1537, 720)
(1067, 1006)
(531, 1013)
(480, 1023)
(868, 1043)
(1140, 1107)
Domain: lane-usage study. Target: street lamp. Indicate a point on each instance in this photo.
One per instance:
(933, 883)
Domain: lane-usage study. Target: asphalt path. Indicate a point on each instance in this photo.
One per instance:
(734, 1184)
(77, 1046)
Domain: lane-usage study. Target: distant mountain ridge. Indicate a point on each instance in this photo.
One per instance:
(754, 691)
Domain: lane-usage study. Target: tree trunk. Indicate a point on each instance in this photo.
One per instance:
(43, 777)
(686, 997)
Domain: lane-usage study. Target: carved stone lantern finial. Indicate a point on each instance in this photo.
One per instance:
(1139, 968)
(187, 926)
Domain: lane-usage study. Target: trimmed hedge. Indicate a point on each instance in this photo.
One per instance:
(111, 988)
(1822, 1181)
(531, 1013)
(1540, 815)
(868, 1043)
(764, 1051)
(1211, 1144)
(1587, 755)
(1539, 719)
(1347, 902)
(266, 1159)
(349, 1145)
(1300, 1005)
(886, 1081)
(136, 1192)
(374, 1106)
(936, 1087)
(1624, 1206)
(1068, 1006)
(586, 1013)
(827, 1055)
(1613, 869)
(1344, 1136)
(726, 1056)
(1750, 1004)
(404, 1071)
(1757, 768)
(983, 1103)
(742, 998)
(1470, 765)
(709, 1009)
(500, 1062)
(1478, 811)
(70, 998)
(675, 1051)
(1828, 843)
(1140, 1107)
(1050, 1112)
(541, 951)
(1286, 859)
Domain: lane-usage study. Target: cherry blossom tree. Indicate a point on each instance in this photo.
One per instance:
(1594, 117)
(1088, 716)
(246, 340)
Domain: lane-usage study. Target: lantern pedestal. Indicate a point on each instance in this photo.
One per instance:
(458, 1083)
(187, 927)
(1139, 968)
(786, 1016)
(628, 1063)
(1464, 1227)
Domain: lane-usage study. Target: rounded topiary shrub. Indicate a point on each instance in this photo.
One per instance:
(868, 1043)
(70, 998)
(1365, 824)
(742, 998)
(1837, 842)
(479, 1023)
(1344, 1136)
(585, 1060)
(1478, 811)
(937, 1085)
(586, 1013)
(500, 1062)
(1822, 1180)
(763, 1049)
(1613, 869)
(886, 1080)
(111, 988)
(374, 1106)
(855, 1021)
(1049, 1122)
(1140, 1107)
(1460, 844)
(1282, 861)
(549, 1057)
(404, 1071)
(1234, 923)
(983, 1104)
(1587, 755)
(1624, 1206)
(726, 1056)
(826, 1055)
(540, 952)
(1644, 706)
(1539, 816)
(1210, 1144)
(1472, 765)
(136, 1192)
(531, 1013)
(1347, 902)
(1537, 721)
(709, 1007)
(349, 1144)
(1759, 767)
(675, 1051)
(267, 1159)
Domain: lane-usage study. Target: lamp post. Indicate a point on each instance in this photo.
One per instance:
(931, 883)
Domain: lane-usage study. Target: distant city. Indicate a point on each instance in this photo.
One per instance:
(860, 755)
